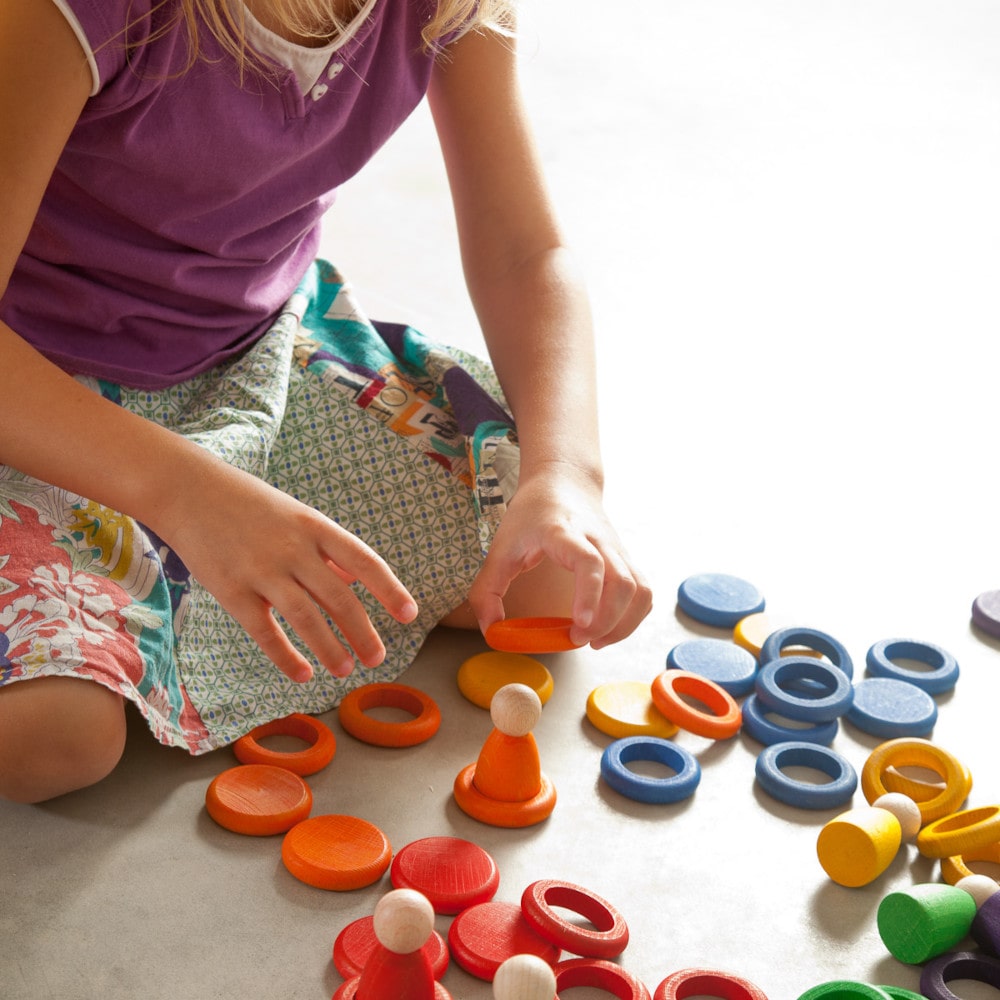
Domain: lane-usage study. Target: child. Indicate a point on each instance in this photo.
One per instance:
(214, 464)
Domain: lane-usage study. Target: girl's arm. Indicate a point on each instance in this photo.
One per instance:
(254, 548)
(536, 321)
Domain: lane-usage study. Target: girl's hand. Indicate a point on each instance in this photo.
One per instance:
(559, 517)
(260, 552)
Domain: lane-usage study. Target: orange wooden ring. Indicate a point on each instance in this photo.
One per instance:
(258, 800)
(425, 722)
(322, 744)
(336, 852)
(912, 752)
(721, 721)
(957, 866)
(498, 813)
(531, 635)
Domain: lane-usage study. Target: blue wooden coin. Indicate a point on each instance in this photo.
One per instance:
(718, 599)
(889, 708)
(731, 667)
(943, 667)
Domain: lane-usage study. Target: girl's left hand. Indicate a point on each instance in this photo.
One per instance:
(559, 517)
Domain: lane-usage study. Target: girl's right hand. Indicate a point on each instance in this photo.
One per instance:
(262, 553)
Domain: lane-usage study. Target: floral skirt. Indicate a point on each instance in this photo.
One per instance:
(403, 442)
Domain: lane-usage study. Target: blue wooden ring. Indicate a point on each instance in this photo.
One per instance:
(828, 697)
(811, 638)
(980, 968)
(940, 678)
(731, 667)
(801, 794)
(890, 709)
(640, 787)
(758, 726)
(718, 599)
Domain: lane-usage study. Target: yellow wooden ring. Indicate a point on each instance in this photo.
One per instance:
(626, 708)
(914, 788)
(962, 831)
(957, 866)
(911, 752)
(482, 675)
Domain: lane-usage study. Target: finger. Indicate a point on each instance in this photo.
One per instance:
(492, 582)
(637, 609)
(261, 626)
(355, 561)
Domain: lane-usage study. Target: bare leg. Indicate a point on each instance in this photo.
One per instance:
(57, 734)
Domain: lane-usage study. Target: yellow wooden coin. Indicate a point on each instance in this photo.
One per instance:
(482, 675)
(625, 708)
(750, 633)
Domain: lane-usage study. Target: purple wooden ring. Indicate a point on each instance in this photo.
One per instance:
(957, 965)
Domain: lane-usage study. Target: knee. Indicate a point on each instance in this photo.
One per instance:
(57, 735)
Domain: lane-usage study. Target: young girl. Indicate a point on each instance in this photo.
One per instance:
(216, 470)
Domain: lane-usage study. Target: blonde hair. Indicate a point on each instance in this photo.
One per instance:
(313, 19)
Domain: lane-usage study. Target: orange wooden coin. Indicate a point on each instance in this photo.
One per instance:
(531, 635)
(354, 717)
(723, 718)
(319, 753)
(336, 852)
(259, 800)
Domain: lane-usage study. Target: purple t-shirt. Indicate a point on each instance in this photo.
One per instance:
(185, 207)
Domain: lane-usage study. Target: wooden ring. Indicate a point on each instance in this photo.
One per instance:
(721, 721)
(968, 830)
(425, 722)
(322, 744)
(911, 752)
(609, 937)
(600, 974)
(695, 982)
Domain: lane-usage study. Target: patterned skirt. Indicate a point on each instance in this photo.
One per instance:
(399, 440)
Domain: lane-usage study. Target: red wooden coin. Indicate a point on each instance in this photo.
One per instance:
(336, 852)
(530, 635)
(355, 944)
(607, 938)
(258, 799)
(452, 873)
(322, 744)
(483, 937)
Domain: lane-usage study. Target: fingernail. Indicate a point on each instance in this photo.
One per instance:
(408, 612)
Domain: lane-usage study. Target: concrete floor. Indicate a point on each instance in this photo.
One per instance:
(788, 210)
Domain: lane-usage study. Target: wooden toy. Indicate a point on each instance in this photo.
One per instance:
(979, 887)
(354, 717)
(505, 786)
(530, 635)
(718, 599)
(481, 676)
(730, 666)
(803, 794)
(599, 974)
(524, 977)
(607, 938)
(483, 937)
(820, 642)
(845, 989)
(924, 920)
(625, 708)
(452, 873)
(762, 725)
(336, 852)
(354, 945)
(751, 633)
(986, 612)
(721, 721)
(857, 846)
(986, 923)
(898, 993)
(911, 752)
(943, 673)
(647, 788)
(957, 866)
(779, 685)
(706, 982)
(398, 967)
(322, 744)
(259, 800)
(968, 830)
(957, 965)
(918, 788)
(890, 708)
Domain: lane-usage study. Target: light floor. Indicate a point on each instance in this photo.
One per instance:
(788, 211)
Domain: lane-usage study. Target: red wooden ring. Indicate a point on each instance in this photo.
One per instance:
(599, 974)
(425, 722)
(610, 936)
(349, 990)
(721, 721)
(698, 982)
(323, 744)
